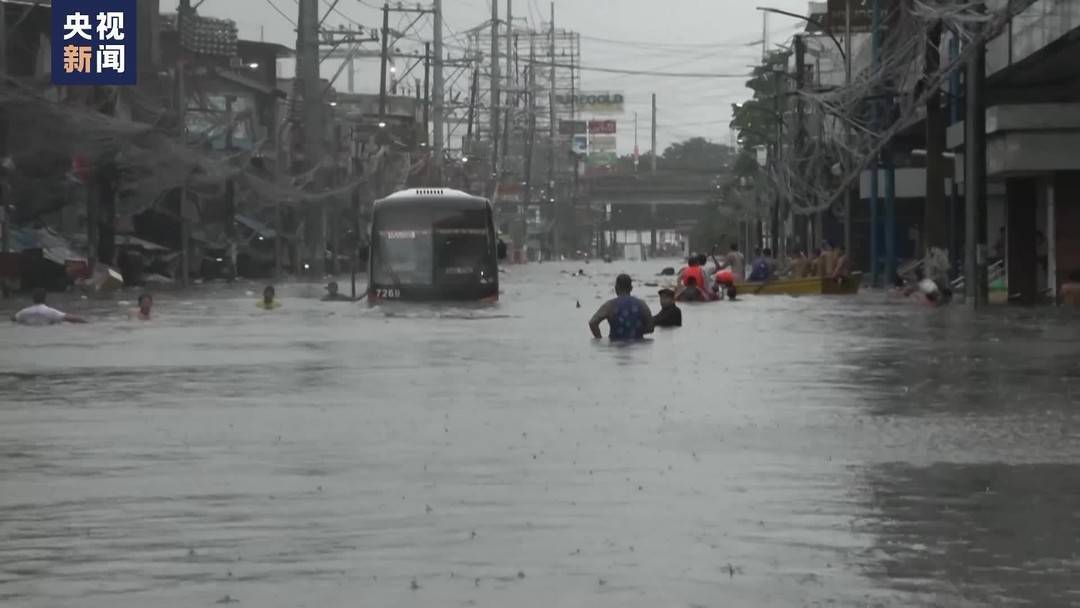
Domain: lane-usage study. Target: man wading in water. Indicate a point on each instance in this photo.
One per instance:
(628, 317)
(42, 314)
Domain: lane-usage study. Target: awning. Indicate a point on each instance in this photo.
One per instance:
(127, 240)
(54, 247)
(256, 226)
(249, 82)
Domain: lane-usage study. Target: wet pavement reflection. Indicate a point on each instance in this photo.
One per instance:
(774, 451)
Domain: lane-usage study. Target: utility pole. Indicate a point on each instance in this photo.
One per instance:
(975, 291)
(385, 35)
(495, 95)
(230, 191)
(427, 90)
(654, 152)
(935, 212)
(890, 176)
(5, 219)
(798, 139)
(474, 94)
(508, 116)
(778, 154)
(635, 143)
(354, 164)
(181, 119)
(849, 196)
(875, 45)
(437, 93)
(552, 131)
(307, 71)
(522, 231)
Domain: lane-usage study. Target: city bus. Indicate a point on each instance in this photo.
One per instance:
(433, 244)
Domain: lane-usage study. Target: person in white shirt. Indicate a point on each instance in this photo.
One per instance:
(42, 314)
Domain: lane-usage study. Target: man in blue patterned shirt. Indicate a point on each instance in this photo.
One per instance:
(628, 318)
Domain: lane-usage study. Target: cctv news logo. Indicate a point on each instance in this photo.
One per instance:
(93, 42)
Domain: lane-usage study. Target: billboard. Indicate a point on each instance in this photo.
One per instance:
(861, 15)
(602, 127)
(592, 102)
(602, 143)
(571, 127)
(580, 144)
(602, 150)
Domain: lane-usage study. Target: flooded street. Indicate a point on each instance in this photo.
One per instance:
(772, 452)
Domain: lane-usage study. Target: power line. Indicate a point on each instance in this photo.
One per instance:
(629, 72)
(729, 43)
(280, 12)
(334, 8)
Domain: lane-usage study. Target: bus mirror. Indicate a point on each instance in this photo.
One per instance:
(500, 250)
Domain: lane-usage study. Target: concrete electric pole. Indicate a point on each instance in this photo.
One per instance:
(437, 92)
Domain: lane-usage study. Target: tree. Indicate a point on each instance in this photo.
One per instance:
(698, 154)
(757, 119)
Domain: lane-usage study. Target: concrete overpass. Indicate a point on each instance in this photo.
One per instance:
(653, 209)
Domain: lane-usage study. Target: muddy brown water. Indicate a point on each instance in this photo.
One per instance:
(773, 452)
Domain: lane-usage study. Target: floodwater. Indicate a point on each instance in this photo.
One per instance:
(773, 452)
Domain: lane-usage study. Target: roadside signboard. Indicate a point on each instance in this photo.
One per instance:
(592, 102)
(861, 15)
(602, 127)
(571, 127)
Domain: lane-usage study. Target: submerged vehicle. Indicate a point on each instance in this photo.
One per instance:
(433, 244)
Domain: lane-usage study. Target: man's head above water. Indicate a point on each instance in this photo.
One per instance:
(623, 284)
(667, 297)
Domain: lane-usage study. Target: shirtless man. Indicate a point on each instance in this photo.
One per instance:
(828, 260)
(842, 270)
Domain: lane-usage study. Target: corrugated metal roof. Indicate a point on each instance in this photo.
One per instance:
(54, 247)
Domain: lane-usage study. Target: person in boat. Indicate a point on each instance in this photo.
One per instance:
(669, 315)
(694, 274)
(735, 262)
(628, 318)
(333, 295)
(725, 283)
(828, 260)
(762, 268)
(268, 301)
(842, 270)
(816, 263)
(691, 292)
(799, 265)
(41, 313)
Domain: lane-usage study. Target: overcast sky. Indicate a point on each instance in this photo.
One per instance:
(694, 36)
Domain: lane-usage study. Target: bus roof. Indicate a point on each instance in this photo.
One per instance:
(426, 197)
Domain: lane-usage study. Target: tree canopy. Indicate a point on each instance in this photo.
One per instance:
(697, 154)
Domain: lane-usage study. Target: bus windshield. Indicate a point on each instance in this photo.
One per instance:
(425, 246)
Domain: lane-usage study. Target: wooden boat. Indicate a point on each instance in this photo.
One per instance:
(810, 286)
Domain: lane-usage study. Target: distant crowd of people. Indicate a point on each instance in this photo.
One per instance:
(40, 313)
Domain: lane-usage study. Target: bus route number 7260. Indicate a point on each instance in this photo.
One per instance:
(387, 294)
